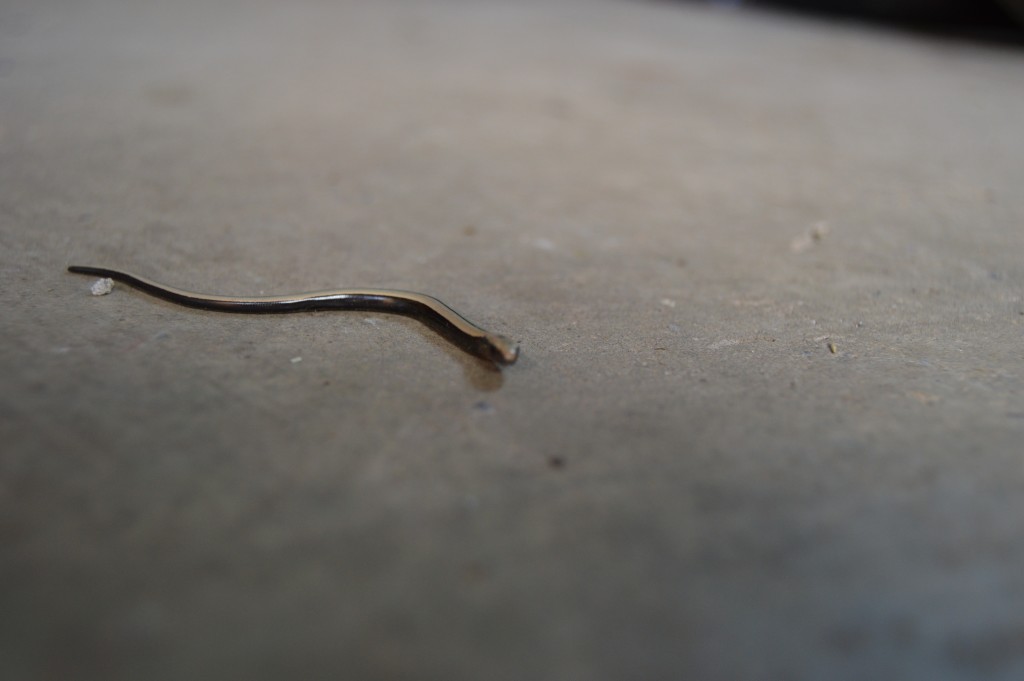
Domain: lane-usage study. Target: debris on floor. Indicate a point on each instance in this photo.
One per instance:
(805, 241)
(102, 287)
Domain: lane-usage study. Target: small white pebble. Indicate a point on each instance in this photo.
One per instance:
(102, 287)
(724, 343)
(296, 360)
(668, 302)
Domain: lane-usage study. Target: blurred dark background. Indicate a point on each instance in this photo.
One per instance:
(1001, 20)
(991, 12)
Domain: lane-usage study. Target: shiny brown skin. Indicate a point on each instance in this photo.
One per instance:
(427, 309)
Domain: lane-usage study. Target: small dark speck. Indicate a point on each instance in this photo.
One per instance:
(469, 230)
(995, 276)
(1015, 414)
(559, 108)
(326, 383)
(990, 652)
(556, 462)
(847, 639)
(170, 94)
(483, 407)
(702, 380)
(476, 572)
(903, 631)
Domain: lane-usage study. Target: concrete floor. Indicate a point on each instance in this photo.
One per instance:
(768, 277)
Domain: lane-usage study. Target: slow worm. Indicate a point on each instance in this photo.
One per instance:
(427, 309)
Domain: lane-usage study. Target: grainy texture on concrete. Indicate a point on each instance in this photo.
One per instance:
(768, 276)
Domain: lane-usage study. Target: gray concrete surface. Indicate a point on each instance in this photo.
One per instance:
(675, 210)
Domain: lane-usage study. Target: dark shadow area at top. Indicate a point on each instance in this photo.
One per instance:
(997, 22)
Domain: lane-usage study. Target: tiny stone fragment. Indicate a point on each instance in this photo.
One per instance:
(805, 241)
(102, 287)
(483, 407)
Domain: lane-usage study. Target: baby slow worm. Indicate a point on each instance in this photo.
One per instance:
(427, 309)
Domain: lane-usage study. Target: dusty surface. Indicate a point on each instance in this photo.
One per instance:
(768, 277)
